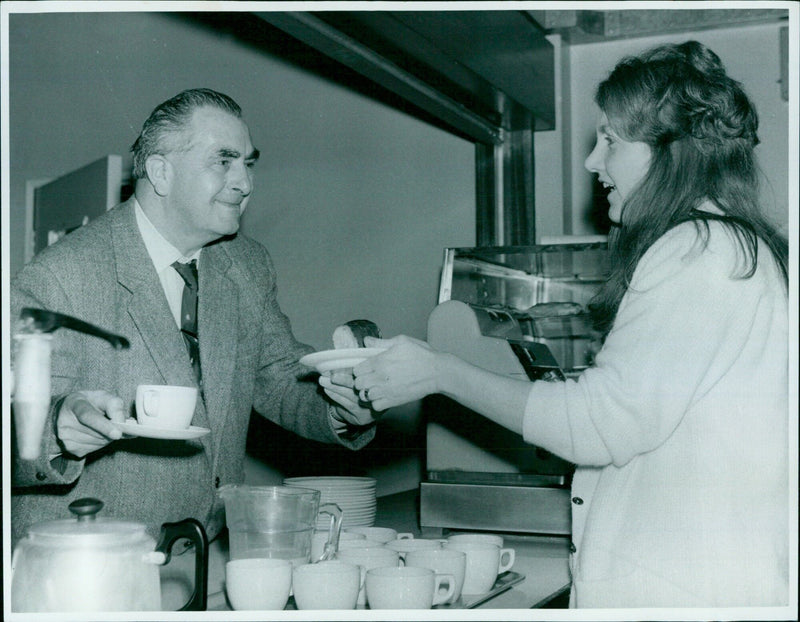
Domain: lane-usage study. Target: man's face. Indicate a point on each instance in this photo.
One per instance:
(210, 180)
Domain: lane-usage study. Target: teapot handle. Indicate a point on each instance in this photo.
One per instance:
(193, 530)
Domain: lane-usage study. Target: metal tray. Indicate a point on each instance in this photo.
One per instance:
(504, 582)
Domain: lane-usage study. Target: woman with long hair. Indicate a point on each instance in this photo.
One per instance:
(679, 430)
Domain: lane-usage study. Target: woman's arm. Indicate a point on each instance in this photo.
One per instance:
(410, 370)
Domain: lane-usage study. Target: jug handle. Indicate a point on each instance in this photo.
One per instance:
(193, 530)
(332, 545)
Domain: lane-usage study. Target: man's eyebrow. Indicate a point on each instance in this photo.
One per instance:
(228, 153)
(234, 154)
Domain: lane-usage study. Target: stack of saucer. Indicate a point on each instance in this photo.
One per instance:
(354, 495)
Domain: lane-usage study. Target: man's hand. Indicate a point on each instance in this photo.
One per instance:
(84, 422)
(348, 407)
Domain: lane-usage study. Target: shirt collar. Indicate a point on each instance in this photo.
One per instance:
(161, 251)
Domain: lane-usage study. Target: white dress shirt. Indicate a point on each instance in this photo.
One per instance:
(164, 254)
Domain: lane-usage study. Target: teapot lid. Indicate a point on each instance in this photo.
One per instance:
(87, 528)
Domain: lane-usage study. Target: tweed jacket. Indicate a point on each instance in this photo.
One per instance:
(101, 273)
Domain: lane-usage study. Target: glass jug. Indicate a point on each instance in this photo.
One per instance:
(277, 521)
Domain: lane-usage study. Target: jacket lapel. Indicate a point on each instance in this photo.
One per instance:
(148, 308)
(218, 327)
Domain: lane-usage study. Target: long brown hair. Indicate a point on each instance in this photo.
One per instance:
(701, 128)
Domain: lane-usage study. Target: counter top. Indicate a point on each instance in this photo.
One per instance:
(541, 559)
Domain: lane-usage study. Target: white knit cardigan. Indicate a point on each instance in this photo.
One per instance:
(681, 435)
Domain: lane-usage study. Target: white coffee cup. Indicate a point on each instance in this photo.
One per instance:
(407, 587)
(368, 558)
(405, 545)
(330, 584)
(441, 561)
(380, 534)
(165, 406)
(484, 562)
(258, 583)
(320, 539)
(360, 543)
(476, 537)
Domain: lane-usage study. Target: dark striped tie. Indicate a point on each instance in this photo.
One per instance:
(188, 272)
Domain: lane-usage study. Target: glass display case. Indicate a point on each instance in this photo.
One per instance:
(545, 289)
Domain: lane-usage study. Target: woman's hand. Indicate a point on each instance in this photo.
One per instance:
(407, 371)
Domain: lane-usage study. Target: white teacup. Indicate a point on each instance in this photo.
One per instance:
(258, 583)
(320, 539)
(358, 543)
(368, 558)
(165, 406)
(484, 562)
(330, 584)
(441, 561)
(405, 545)
(380, 534)
(407, 587)
(477, 537)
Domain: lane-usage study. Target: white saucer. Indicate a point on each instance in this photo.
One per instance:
(344, 358)
(132, 428)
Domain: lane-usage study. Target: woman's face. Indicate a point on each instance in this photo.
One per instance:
(619, 164)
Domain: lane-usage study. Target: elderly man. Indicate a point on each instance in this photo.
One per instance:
(193, 164)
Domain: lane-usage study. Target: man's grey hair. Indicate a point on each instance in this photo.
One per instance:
(164, 127)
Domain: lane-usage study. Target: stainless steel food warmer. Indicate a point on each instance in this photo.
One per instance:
(519, 311)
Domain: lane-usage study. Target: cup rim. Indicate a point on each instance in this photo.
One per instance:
(472, 545)
(474, 536)
(361, 543)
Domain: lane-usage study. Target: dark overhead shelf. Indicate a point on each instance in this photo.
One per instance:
(481, 72)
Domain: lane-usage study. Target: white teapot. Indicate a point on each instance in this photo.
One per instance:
(99, 564)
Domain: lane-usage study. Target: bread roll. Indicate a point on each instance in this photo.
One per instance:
(352, 333)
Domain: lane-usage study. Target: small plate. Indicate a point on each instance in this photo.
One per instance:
(132, 428)
(330, 360)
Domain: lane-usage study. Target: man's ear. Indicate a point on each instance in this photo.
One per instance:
(159, 173)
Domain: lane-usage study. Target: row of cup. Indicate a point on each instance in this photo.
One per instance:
(471, 561)
(265, 584)
(404, 573)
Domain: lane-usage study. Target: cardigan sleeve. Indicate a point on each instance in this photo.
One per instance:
(678, 329)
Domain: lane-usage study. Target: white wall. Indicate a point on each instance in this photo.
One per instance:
(750, 54)
(354, 200)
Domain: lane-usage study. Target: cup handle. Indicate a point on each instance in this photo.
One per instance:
(510, 554)
(439, 597)
(404, 536)
(150, 403)
(332, 545)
